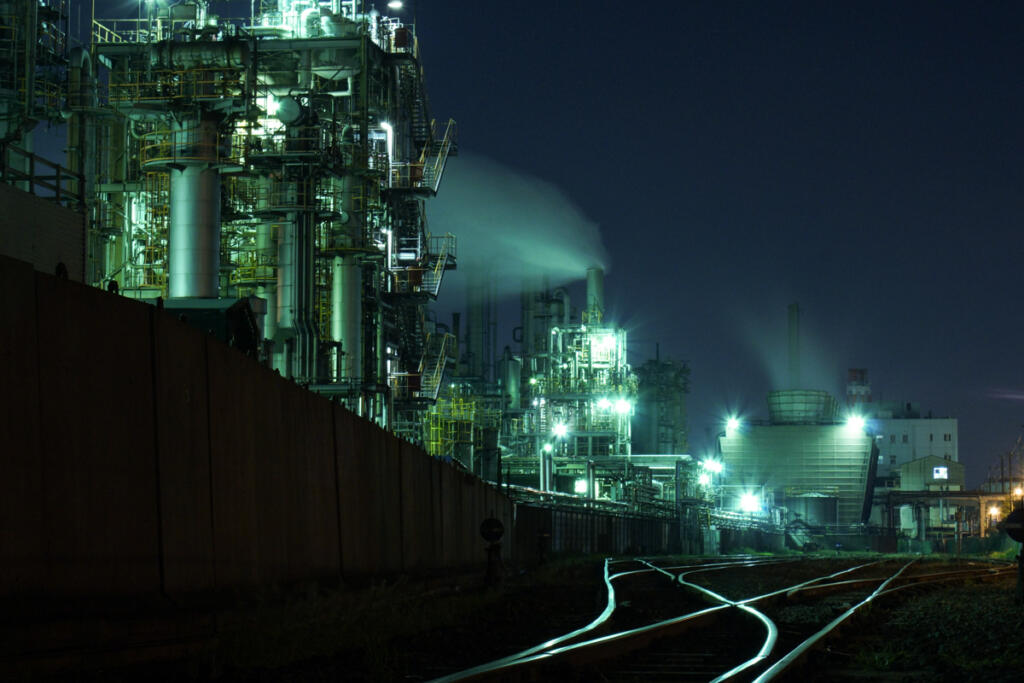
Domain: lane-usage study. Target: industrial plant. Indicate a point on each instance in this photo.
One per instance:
(267, 178)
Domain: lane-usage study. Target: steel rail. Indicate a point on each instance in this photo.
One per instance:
(614, 644)
(609, 608)
(772, 636)
(548, 647)
(793, 655)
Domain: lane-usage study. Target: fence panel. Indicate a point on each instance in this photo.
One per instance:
(183, 446)
(96, 441)
(22, 561)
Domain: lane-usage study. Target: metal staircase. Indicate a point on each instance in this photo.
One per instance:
(435, 156)
(435, 358)
(444, 260)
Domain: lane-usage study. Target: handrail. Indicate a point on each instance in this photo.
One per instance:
(56, 186)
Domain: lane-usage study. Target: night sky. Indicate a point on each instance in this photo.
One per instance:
(860, 158)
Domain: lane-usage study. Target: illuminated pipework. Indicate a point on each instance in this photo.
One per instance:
(284, 156)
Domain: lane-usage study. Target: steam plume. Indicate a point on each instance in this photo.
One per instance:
(511, 225)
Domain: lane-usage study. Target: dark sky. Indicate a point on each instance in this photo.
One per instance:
(861, 158)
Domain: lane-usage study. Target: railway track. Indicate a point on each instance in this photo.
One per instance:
(743, 619)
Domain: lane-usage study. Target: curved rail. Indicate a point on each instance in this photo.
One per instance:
(610, 645)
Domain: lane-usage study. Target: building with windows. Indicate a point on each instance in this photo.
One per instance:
(903, 435)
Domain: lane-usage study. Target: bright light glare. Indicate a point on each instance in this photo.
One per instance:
(581, 486)
(993, 511)
(604, 404)
(561, 429)
(395, 4)
(732, 424)
(533, 380)
(603, 344)
(1017, 491)
(548, 448)
(712, 466)
(704, 479)
(622, 406)
(749, 503)
(272, 105)
(855, 422)
(390, 137)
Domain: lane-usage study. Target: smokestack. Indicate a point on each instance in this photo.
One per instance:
(475, 326)
(595, 294)
(794, 346)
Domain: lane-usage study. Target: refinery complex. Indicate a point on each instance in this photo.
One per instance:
(267, 178)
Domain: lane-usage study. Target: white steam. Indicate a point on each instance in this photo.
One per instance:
(512, 226)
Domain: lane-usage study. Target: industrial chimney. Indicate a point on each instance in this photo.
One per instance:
(595, 294)
(794, 346)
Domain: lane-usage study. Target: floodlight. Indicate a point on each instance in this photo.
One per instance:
(548, 448)
(622, 406)
(749, 503)
(732, 424)
(580, 486)
(561, 429)
(855, 422)
(711, 465)
(395, 4)
(993, 511)
(704, 479)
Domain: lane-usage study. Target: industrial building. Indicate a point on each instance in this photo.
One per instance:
(275, 166)
(808, 462)
(266, 178)
(805, 460)
(903, 431)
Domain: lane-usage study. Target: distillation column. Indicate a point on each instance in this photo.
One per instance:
(194, 242)
(346, 317)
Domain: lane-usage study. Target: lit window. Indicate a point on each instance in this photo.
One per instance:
(941, 472)
(881, 459)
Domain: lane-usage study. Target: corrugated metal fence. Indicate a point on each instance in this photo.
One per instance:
(140, 455)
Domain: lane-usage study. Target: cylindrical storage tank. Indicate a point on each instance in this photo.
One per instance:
(346, 315)
(194, 242)
(801, 407)
(511, 373)
(595, 291)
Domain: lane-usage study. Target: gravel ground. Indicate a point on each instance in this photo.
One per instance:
(968, 632)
